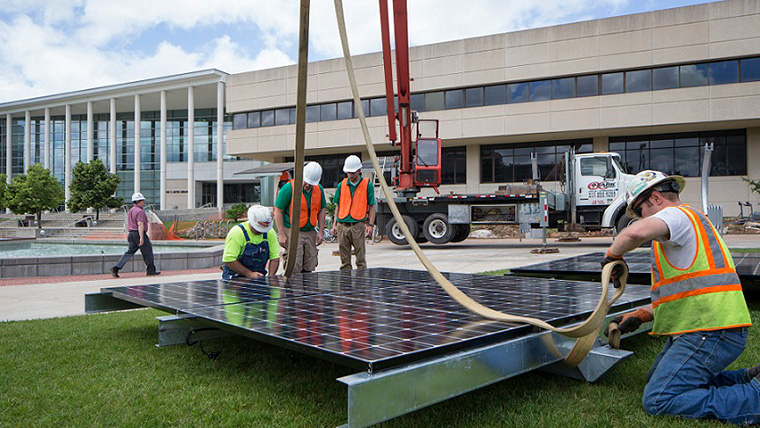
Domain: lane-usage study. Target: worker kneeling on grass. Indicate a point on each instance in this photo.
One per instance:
(697, 302)
(251, 247)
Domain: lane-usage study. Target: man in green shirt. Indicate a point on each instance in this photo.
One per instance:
(354, 213)
(312, 215)
(251, 247)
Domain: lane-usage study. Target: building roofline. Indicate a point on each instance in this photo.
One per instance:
(130, 87)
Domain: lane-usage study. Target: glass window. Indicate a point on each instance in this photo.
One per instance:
(453, 165)
(267, 118)
(495, 95)
(612, 83)
(254, 119)
(687, 161)
(378, 107)
(473, 97)
(723, 72)
(750, 69)
(282, 116)
(292, 115)
(365, 108)
(312, 114)
(540, 90)
(587, 85)
(239, 121)
(517, 93)
(665, 78)
(328, 111)
(638, 81)
(454, 99)
(345, 110)
(427, 152)
(563, 88)
(434, 101)
(594, 166)
(693, 75)
(417, 102)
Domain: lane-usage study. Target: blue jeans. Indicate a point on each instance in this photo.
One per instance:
(687, 379)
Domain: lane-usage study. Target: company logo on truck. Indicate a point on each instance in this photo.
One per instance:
(601, 185)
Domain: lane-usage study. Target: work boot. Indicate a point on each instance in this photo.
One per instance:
(115, 272)
(153, 273)
(754, 372)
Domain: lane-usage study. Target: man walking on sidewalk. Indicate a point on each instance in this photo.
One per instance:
(137, 225)
(354, 213)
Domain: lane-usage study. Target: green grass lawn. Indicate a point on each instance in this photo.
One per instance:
(104, 370)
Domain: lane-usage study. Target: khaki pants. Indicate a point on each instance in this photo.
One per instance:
(307, 256)
(351, 234)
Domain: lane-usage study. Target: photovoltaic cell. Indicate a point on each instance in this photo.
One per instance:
(639, 267)
(374, 318)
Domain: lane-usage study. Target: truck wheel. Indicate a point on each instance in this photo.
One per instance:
(461, 232)
(394, 233)
(622, 222)
(437, 229)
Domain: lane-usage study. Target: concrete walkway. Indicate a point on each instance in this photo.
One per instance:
(48, 297)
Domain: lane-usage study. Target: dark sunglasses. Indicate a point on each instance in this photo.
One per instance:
(644, 198)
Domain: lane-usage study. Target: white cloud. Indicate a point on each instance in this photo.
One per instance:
(52, 46)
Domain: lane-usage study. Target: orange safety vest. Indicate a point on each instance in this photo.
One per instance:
(355, 205)
(704, 296)
(316, 205)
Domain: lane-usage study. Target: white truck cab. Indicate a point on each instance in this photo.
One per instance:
(599, 181)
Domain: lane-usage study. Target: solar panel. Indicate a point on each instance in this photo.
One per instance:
(586, 267)
(375, 318)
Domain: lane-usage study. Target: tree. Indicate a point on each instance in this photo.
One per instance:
(754, 185)
(237, 210)
(34, 192)
(92, 186)
(3, 185)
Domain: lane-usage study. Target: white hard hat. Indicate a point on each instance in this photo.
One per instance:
(352, 164)
(137, 197)
(649, 179)
(312, 173)
(260, 218)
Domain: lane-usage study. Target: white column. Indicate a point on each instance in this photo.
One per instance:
(27, 140)
(112, 135)
(162, 148)
(48, 154)
(90, 126)
(137, 143)
(67, 155)
(191, 147)
(220, 146)
(8, 147)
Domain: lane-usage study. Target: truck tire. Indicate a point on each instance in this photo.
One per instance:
(461, 232)
(622, 222)
(437, 229)
(394, 233)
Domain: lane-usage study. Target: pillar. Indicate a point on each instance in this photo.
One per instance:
(112, 135)
(67, 155)
(8, 148)
(137, 143)
(220, 146)
(48, 153)
(162, 148)
(90, 147)
(27, 140)
(191, 147)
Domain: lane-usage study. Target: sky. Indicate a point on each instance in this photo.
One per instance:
(53, 46)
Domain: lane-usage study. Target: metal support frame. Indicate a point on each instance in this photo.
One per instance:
(105, 302)
(380, 396)
(174, 330)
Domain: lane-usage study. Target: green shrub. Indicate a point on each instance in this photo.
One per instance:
(236, 211)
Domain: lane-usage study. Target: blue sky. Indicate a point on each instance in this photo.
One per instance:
(53, 46)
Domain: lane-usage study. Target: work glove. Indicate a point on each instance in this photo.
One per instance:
(618, 270)
(630, 321)
(754, 372)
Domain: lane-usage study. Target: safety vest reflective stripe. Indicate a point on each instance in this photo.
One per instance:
(707, 295)
(355, 205)
(316, 206)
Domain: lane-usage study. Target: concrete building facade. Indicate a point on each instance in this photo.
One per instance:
(654, 87)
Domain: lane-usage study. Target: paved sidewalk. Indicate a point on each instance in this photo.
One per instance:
(48, 297)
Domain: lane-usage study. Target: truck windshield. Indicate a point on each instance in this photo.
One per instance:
(597, 166)
(427, 152)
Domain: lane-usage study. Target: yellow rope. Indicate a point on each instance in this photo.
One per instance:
(587, 331)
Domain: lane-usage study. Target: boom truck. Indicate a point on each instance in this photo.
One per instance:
(592, 182)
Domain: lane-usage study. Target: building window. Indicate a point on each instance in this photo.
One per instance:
(511, 163)
(665, 78)
(453, 165)
(378, 107)
(254, 119)
(345, 110)
(588, 86)
(496, 95)
(328, 112)
(267, 118)
(750, 69)
(282, 116)
(563, 88)
(693, 75)
(638, 81)
(417, 102)
(540, 90)
(239, 121)
(473, 97)
(517, 93)
(682, 154)
(434, 101)
(312, 114)
(454, 99)
(723, 72)
(612, 83)
(332, 167)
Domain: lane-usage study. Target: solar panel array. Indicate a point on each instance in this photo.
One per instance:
(747, 266)
(374, 318)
